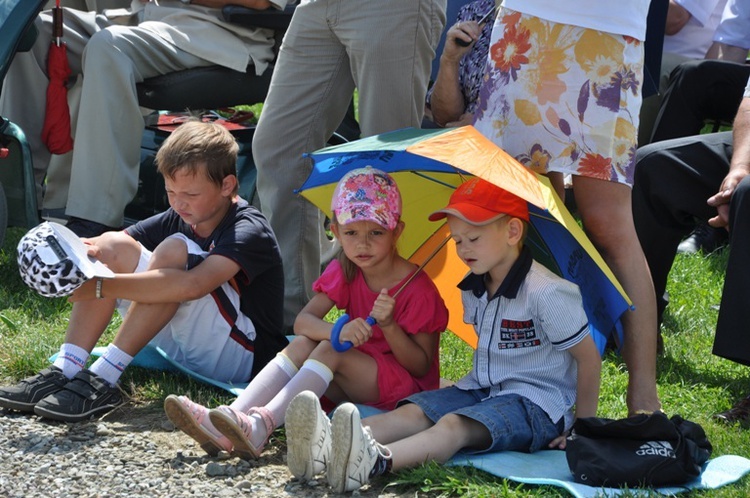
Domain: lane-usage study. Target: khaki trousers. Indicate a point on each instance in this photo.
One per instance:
(385, 50)
(109, 123)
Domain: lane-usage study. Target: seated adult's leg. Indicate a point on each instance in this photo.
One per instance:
(310, 92)
(673, 180)
(23, 96)
(651, 104)
(700, 90)
(732, 340)
(106, 157)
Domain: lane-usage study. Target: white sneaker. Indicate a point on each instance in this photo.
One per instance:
(354, 451)
(308, 436)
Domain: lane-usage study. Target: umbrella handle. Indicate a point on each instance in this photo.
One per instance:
(336, 333)
(343, 319)
(57, 24)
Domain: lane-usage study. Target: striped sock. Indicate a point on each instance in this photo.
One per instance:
(382, 466)
(71, 359)
(111, 364)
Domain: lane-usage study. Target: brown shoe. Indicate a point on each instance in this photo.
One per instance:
(739, 413)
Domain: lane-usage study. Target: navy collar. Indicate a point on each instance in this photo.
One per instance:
(511, 283)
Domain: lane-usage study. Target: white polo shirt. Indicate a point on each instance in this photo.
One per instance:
(524, 331)
(734, 28)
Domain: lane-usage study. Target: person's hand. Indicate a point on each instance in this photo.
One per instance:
(721, 199)
(559, 442)
(357, 331)
(466, 118)
(382, 310)
(466, 31)
(92, 249)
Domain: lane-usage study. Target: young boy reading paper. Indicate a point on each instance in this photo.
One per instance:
(203, 281)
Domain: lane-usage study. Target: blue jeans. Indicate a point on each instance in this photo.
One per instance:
(514, 422)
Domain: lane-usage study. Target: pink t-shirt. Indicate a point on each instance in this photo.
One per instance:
(419, 308)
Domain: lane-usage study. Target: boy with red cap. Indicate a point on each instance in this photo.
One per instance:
(534, 360)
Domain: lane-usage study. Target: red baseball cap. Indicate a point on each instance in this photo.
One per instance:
(479, 202)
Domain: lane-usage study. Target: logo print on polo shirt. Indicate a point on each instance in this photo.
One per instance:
(517, 334)
(656, 448)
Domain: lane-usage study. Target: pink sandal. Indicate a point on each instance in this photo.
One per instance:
(189, 417)
(237, 427)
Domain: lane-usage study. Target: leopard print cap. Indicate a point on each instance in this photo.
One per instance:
(50, 280)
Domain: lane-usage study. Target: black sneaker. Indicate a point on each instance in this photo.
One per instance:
(83, 397)
(704, 238)
(27, 393)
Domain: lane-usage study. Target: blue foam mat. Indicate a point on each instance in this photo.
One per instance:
(542, 468)
(156, 359)
(551, 468)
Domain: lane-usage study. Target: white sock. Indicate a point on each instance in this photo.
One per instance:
(111, 364)
(71, 359)
(313, 376)
(266, 384)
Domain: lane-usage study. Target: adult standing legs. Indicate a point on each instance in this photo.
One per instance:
(331, 47)
(607, 216)
(310, 91)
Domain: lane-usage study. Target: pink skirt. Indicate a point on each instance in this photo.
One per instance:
(562, 98)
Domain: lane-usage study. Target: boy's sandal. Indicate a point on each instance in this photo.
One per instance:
(189, 417)
(237, 427)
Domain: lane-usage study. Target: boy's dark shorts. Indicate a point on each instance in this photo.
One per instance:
(514, 422)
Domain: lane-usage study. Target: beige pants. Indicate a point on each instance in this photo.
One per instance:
(385, 50)
(109, 124)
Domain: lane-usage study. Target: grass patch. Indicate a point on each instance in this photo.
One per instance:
(692, 382)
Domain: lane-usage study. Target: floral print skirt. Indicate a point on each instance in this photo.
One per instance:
(562, 98)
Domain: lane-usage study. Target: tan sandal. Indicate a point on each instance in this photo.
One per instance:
(238, 428)
(189, 417)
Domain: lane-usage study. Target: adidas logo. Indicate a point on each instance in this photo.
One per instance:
(656, 448)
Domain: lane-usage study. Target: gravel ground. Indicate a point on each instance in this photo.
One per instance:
(135, 451)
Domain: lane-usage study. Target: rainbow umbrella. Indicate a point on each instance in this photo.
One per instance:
(428, 165)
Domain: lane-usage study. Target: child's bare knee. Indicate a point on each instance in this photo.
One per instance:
(119, 251)
(171, 253)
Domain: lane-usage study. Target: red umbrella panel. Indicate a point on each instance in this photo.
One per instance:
(56, 130)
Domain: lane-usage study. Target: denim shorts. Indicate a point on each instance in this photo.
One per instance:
(514, 422)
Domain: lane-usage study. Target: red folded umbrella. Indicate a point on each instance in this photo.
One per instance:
(56, 131)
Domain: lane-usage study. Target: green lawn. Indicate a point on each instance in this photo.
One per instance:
(692, 382)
